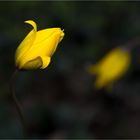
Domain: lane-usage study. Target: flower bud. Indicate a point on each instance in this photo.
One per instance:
(36, 50)
(111, 67)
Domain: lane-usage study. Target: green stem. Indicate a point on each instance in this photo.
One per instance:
(17, 104)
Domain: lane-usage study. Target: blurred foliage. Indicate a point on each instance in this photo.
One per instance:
(61, 101)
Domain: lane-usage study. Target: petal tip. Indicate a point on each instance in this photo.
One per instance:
(32, 23)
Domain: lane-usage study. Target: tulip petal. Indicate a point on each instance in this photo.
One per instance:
(31, 22)
(42, 35)
(46, 61)
(26, 43)
(45, 47)
(33, 64)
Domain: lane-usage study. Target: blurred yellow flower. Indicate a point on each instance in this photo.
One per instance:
(36, 50)
(111, 67)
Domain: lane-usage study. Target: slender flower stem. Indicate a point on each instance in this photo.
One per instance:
(17, 104)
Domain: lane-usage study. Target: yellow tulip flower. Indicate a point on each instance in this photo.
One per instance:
(111, 67)
(36, 50)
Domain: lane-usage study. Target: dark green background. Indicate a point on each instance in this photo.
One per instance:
(61, 101)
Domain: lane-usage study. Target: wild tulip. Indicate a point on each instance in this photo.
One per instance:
(36, 50)
(112, 67)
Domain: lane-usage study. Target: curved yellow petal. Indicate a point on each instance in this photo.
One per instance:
(26, 44)
(46, 61)
(32, 23)
(32, 64)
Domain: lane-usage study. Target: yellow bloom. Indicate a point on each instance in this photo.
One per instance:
(36, 50)
(111, 67)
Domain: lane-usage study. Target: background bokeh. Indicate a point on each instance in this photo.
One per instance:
(61, 101)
